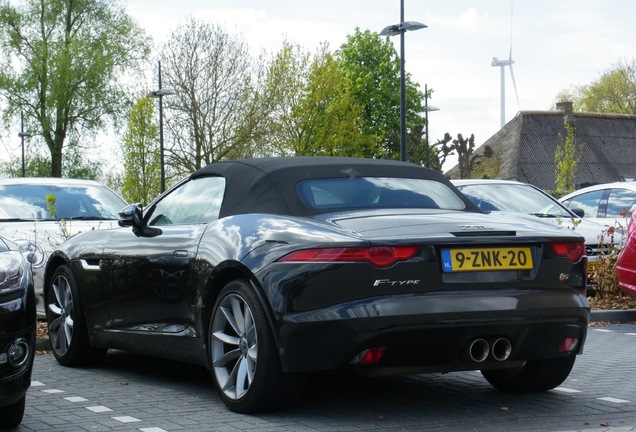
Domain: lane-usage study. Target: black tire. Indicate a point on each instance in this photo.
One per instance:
(534, 376)
(11, 415)
(68, 333)
(245, 364)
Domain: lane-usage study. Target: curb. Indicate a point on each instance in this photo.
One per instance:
(614, 315)
(42, 344)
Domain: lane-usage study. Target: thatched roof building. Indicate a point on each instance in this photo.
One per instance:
(524, 148)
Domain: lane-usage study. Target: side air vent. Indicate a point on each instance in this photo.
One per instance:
(483, 233)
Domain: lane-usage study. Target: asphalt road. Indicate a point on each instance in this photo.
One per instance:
(135, 393)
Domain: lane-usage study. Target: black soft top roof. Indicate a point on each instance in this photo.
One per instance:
(268, 185)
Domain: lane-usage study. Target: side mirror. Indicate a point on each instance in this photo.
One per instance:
(131, 215)
(578, 211)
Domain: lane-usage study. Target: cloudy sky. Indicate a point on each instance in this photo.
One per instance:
(556, 44)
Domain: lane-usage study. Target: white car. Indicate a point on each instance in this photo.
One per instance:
(523, 200)
(608, 204)
(39, 214)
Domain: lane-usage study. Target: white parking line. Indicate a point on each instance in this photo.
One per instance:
(126, 419)
(53, 391)
(614, 400)
(98, 409)
(567, 390)
(76, 399)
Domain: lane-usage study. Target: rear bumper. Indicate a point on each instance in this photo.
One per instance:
(433, 333)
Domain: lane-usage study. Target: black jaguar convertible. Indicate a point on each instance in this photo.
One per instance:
(265, 270)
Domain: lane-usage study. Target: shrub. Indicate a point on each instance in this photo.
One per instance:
(602, 274)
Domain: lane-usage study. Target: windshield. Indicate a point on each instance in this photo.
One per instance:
(513, 198)
(377, 192)
(53, 202)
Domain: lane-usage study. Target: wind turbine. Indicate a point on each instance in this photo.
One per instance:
(502, 65)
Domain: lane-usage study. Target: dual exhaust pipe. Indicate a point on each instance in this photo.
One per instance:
(480, 349)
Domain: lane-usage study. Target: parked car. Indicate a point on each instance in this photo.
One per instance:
(17, 333)
(38, 214)
(265, 270)
(607, 203)
(626, 262)
(513, 198)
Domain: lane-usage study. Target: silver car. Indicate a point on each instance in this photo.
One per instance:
(39, 214)
(526, 200)
(608, 203)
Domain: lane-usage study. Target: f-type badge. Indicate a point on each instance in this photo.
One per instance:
(390, 282)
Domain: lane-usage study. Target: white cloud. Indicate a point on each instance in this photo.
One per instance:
(556, 44)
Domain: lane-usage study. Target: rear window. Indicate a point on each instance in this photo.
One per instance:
(377, 192)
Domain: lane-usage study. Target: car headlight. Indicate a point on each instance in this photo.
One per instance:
(32, 251)
(12, 270)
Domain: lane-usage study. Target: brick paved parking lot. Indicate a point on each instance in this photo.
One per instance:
(134, 393)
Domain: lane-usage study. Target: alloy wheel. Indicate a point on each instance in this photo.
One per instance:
(60, 318)
(234, 346)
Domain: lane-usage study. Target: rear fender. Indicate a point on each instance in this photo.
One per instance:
(220, 277)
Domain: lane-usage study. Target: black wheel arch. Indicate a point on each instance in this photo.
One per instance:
(55, 261)
(222, 275)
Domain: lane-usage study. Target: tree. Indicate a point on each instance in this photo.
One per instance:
(282, 90)
(208, 119)
(566, 160)
(372, 66)
(327, 117)
(613, 92)
(142, 165)
(310, 108)
(416, 145)
(464, 148)
(61, 64)
(38, 164)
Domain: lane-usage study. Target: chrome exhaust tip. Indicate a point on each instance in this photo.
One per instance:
(501, 349)
(478, 350)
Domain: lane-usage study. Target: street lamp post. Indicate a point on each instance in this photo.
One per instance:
(22, 134)
(160, 93)
(393, 30)
(426, 110)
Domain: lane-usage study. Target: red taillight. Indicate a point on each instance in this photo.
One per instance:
(369, 356)
(379, 256)
(569, 344)
(572, 251)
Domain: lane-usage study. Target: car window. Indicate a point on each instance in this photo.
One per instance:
(377, 192)
(513, 198)
(193, 202)
(619, 202)
(51, 201)
(589, 202)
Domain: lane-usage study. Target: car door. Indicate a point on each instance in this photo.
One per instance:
(619, 203)
(592, 203)
(147, 274)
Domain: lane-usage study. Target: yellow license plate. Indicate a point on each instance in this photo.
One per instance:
(592, 266)
(483, 259)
